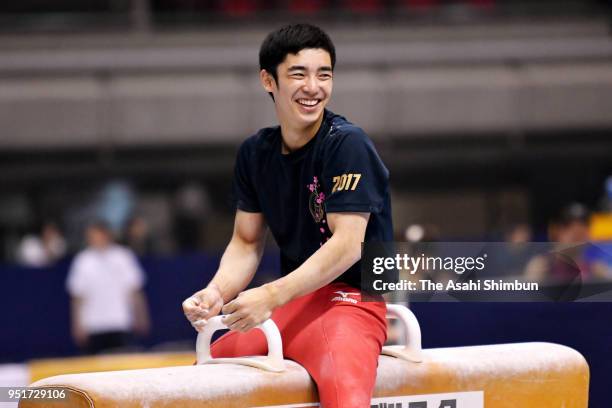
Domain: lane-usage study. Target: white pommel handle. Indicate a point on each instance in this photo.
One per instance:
(272, 362)
(411, 350)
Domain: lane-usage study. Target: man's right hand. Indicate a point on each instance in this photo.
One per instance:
(203, 305)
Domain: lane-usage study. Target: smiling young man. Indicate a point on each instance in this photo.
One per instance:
(317, 183)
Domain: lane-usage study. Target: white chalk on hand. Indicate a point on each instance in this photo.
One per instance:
(199, 324)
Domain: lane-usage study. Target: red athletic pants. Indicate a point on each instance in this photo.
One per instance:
(335, 335)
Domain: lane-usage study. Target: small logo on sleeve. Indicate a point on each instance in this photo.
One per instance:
(346, 182)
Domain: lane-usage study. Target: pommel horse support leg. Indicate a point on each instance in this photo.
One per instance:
(522, 375)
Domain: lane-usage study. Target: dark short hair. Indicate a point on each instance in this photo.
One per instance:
(292, 39)
(574, 212)
(100, 225)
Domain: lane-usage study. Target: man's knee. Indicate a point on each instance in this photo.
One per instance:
(343, 395)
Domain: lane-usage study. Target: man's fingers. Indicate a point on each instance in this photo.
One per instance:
(189, 304)
(198, 300)
(231, 319)
(195, 314)
(198, 315)
(230, 308)
(193, 304)
(205, 303)
(238, 325)
(245, 327)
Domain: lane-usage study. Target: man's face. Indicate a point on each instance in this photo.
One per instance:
(304, 86)
(98, 238)
(575, 231)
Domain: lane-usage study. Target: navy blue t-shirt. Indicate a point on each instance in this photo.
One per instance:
(338, 170)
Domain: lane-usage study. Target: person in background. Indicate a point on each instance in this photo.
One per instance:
(191, 209)
(137, 236)
(512, 257)
(44, 249)
(601, 233)
(571, 256)
(105, 283)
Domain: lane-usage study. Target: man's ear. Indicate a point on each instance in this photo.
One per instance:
(267, 80)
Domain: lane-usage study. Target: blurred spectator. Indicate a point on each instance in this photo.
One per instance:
(422, 233)
(115, 203)
(601, 231)
(44, 249)
(574, 224)
(608, 196)
(518, 234)
(192, 204)
(511, 257)
(414, 233)
(571, 257)
(599, 258)
(601, 222)
(105, 283)
(138, 236)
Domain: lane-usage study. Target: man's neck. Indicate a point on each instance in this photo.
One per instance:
(295, 138)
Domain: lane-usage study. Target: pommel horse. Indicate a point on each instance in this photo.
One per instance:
(521, 375)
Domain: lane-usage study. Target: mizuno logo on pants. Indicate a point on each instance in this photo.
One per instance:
(344, 297)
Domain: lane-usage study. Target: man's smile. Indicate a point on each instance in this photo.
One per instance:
(308, 102)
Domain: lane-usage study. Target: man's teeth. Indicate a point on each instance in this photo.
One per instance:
(308, 102)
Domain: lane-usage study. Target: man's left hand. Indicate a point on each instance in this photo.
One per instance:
(251, 308)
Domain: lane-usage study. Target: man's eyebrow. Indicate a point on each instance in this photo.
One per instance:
(326, 68)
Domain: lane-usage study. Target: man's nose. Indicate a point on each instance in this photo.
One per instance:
(311, 84)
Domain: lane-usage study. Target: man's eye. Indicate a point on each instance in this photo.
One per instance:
(325, 76)
(297, 75)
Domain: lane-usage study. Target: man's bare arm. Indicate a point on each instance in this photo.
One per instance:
(236, 270)
(331, 260)
(338, 254)
(242, 256)
(142, 321)
(76, 326)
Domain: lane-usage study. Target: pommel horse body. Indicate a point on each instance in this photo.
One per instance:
(522, 375)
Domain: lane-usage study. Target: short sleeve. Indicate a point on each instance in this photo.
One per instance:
(354, 176)
(244, 195)
(77, 278)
